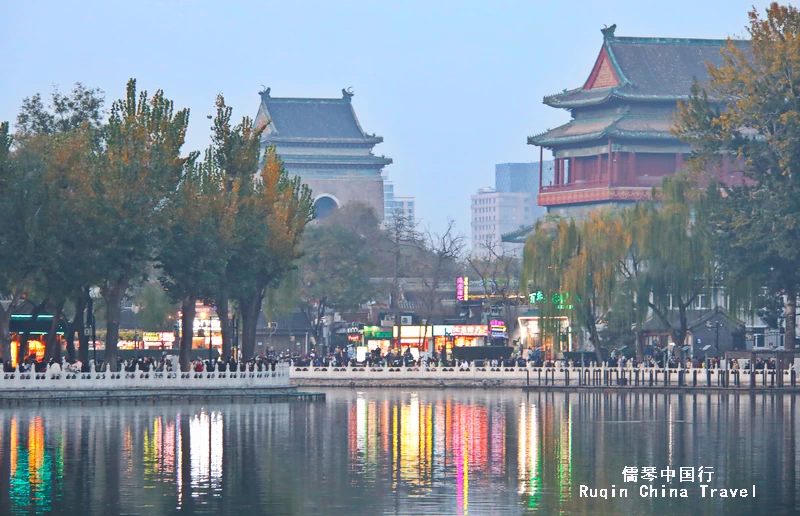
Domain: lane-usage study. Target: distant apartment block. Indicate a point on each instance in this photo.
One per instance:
(406, 206)
(507, 207)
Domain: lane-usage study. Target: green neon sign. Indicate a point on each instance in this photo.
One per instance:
(560, 299)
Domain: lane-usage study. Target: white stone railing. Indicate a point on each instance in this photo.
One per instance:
(599, 376)
(55, 379)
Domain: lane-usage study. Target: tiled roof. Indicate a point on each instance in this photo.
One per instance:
(519, 236)
(650, 68)
(310, 159)
(625, 126)
(311, 118)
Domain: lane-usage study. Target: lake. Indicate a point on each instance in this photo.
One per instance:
(406, 451)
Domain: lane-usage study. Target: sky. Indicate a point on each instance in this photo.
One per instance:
(453, 87)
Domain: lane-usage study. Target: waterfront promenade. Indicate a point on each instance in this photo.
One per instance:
(555, 377)
(55, 384)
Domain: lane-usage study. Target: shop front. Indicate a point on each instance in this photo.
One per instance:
(549, 336)
(207, 330)
(375, 338)
(447, 336)
(417, 339)
(158, 340)
(36, 330)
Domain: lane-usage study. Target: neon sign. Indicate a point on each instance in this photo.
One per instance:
(560, 299)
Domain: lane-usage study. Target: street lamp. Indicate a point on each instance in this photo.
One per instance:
(716, 325)
(209, 341)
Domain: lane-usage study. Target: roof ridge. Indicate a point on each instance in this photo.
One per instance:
(685, 41)
(308, 99)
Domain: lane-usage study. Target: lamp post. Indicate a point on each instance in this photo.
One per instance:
(716, 325)
(209, 341)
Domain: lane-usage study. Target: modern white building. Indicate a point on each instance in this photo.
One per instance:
(507, 207)
(495, 213)
(391, 203)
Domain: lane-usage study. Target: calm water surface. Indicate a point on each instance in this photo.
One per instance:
(400, 452)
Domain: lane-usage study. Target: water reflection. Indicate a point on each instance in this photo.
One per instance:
(395, 452)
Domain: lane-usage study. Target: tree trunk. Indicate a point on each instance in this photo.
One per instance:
(76, 325)
(188, 312)
(113, 298)
(639, 345)
(790, 318)
(5, 334)
(83, 321)
(23, 339)
(52, 347)
(225, 324)
(593, 335)
(250, 307)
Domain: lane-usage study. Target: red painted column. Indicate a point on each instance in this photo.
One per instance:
(610, 161)
(599, 169)
(541, 166)
(633, 174)
(678, 161)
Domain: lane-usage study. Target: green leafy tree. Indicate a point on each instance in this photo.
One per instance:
(748, 114)
(139, 170)
(273, 212)
(191, 253)
(235, 149)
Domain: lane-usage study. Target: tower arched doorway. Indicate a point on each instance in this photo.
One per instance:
(324, 206)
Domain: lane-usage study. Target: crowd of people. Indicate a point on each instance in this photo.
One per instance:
(394, 358)
(165, 363)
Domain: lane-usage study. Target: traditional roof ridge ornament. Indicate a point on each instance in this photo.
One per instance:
(608, 32)
(264, 91)
(347, 93)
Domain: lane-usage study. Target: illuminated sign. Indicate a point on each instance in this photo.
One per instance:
(163, 336)
(561, 300)
(466, 288)
(469, 330)
(498, 328)
(460, 288)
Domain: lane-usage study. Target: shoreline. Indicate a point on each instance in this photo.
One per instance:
(16, 397)
(521, 385)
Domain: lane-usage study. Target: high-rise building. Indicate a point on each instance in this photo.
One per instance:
(507, 207)
(321, 141)
(391, 204)
(406, 206)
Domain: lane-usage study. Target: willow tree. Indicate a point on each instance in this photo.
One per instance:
(633, 302)
(749, 113)
(680, 265)
(139, 170)
(273, 212)
(577, 263)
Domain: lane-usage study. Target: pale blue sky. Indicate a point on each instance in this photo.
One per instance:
(453, 87)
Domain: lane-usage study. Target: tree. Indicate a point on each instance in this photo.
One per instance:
(192, 253)
(401, 234)
(445, 250)
(236, 151)
(499, 273)
(55, 146)
(17, 236)
(575, 263)
(139, 169)
(680, 265)
(748, 114)
(273, 212)
(337, 263)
